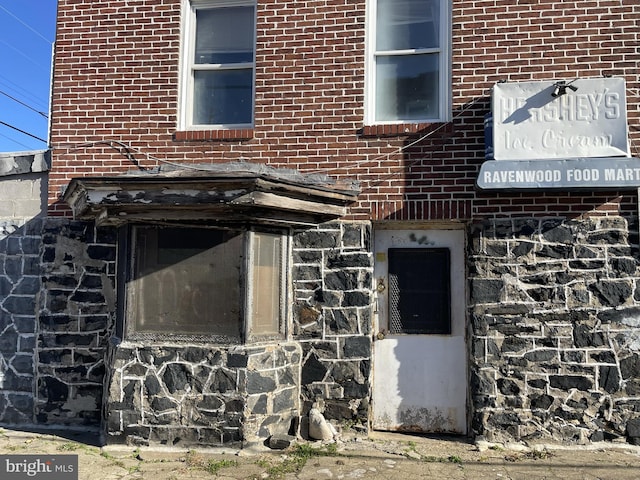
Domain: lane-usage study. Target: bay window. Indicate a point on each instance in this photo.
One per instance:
(221, 285)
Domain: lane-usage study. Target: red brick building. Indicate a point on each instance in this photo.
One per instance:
(331, 153)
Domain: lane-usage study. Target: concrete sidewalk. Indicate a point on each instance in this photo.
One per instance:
(382, 456)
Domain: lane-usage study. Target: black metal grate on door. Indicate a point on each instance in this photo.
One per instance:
(419, 290)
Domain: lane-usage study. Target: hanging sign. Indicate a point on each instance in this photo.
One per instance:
(555, 120)
(574, 173)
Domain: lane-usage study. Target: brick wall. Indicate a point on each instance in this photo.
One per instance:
(116, 79)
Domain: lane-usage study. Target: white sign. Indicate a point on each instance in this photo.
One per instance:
(550, 120)
(566, 174)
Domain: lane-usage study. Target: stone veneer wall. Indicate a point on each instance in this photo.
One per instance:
(333, 268)
(19, 285)
(555, 347)
(76, 314)
(23, 191)
(202, 394)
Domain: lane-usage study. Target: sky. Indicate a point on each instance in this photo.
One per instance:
(27, 32)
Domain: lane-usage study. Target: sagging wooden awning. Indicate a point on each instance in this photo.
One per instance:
(223, 195)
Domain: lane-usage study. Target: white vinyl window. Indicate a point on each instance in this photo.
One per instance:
(408, 61)
(218, 64)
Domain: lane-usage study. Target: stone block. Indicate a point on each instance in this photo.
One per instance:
(486, 290)
(9, 342)
(176, 377)
(555, 251)
(508, 386)
(52, 390)
(354, 235)
(356, 347)
(105, 253)
(630, 367)
(584, 336)
(224, 380)
(609, 378)
(307, 257)
(349, 260)
(23, 364)
(568, 382)
(342, 280)
(288, 376)
(285, 400)
(152, 385)
(306, 273)
(342, 322)
(20, 305)
(316, 239)
(162, 404)
(258, 382)
(313, 370)
(237, 360)
(280, 441)
(612, 293)
(541, 355)
(257, 404)
(356, 299)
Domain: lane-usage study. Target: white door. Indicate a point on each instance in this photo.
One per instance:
(420, 360)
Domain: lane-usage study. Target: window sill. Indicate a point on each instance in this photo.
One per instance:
(401, 129)
(232, 134)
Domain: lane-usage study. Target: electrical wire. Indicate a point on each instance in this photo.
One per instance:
(26, 25)
(401, 149)
(17, 50)
(128, 149)
(23, 104)
(22, 131)
(15, 141)
(12, 86)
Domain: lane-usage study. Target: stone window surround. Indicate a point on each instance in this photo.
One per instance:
(214, 196)
(125, 321)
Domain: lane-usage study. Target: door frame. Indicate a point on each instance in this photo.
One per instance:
(457, 268)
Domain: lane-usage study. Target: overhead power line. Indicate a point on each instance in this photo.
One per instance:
(26, 25)
(24, 104)
(15, 141)
(21, 53)
(22, 131)
(29, 96)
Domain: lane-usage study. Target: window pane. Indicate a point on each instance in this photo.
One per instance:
(407, 24)
(419, 283)
(224, 35)
(223, 97)
(407, 87)
(186, 281)
(267, 274)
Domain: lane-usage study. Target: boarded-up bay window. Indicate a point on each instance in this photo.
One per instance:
(220, 284)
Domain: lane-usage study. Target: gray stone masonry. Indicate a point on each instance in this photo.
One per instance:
(555, 343)
(76, 312)
(332, 274)
(202, 394)
(19, 285)
(23, 187)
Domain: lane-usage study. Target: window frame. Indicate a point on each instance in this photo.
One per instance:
(444, 66)
(126, 264)
(188, 67)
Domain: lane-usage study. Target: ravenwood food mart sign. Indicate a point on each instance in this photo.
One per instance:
(549, 135)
